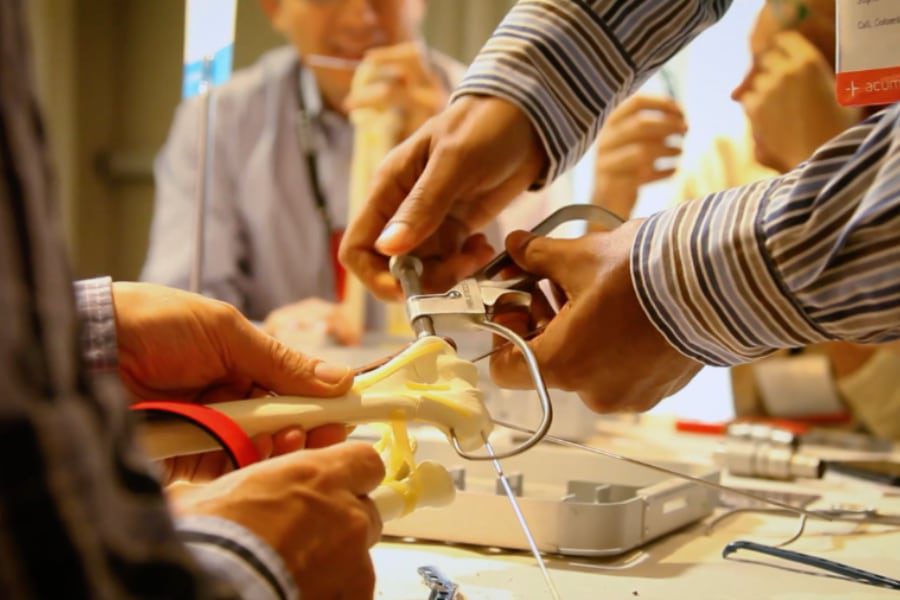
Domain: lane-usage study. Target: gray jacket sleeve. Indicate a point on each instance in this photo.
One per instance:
(172, 234)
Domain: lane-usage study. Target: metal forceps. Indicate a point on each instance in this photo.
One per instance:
(470, 304)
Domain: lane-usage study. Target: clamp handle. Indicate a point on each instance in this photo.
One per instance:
(566, 214)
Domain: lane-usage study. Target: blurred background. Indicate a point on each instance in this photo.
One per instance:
(109, 73)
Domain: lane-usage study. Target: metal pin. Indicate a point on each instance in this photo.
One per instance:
(516, 482)
(501, 477)
(408, 269)
(528, 336)
(634, 461)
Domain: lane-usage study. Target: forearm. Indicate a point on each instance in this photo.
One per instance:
(568, 63)
(616, 192)
(806, 257)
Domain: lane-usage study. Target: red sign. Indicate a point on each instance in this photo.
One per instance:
(871, 86)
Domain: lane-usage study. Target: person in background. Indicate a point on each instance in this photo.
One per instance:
(84, 515)
(788, 98)
(781, 263)
(276, 211)
(789, 101)
(638, 133)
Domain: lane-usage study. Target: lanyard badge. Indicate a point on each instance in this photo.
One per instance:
(868, 55)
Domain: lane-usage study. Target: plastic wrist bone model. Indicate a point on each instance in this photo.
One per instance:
(426, 383)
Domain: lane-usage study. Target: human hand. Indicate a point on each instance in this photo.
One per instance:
(790, 102)
(176, 345)
(310, 313)
(632, 139)
(451, 177)
(401, 79)
(204, 467)
(601, 343)
(311, 507)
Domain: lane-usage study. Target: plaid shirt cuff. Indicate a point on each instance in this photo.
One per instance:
(96, 312)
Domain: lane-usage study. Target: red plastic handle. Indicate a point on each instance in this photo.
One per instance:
(234, 440)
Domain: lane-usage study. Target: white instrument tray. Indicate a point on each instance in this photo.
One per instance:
(576, 503)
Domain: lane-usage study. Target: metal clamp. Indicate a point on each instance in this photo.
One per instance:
(470, 305)
(573, 212)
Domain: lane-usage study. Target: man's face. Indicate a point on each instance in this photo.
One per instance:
(761, 39)
(344, 29)
(814, 20)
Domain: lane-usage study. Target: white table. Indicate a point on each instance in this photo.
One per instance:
(687, 564)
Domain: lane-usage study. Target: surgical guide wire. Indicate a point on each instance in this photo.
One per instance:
(521, 518)
(661, 469)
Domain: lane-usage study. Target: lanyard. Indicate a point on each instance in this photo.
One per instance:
(310, 159)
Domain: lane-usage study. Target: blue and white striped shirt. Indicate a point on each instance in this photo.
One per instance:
(810, 256)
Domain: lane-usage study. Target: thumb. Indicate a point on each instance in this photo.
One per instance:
(274, 366)
(542, 256)
(424, 208)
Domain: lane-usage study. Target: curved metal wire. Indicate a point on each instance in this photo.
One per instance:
(546, 407)
(801, 525)
(573, 212)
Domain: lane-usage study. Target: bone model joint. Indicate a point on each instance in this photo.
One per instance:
(426, 383)
(406, 485)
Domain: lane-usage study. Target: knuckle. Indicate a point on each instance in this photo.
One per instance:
(347, 254)
(646, 154)
(306, 470)
(536, 251)
(359, 523)
(291, 361)
(369, 459)
(224, 314)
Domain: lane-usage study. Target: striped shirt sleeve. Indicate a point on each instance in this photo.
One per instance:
(97, 316)
(230, 552)
(810, 256)
(567, 63)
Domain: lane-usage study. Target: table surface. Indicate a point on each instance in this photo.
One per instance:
(685, 564)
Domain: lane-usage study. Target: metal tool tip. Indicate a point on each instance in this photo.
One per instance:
(398, 264)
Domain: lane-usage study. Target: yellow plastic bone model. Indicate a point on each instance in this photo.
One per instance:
(426, 383)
